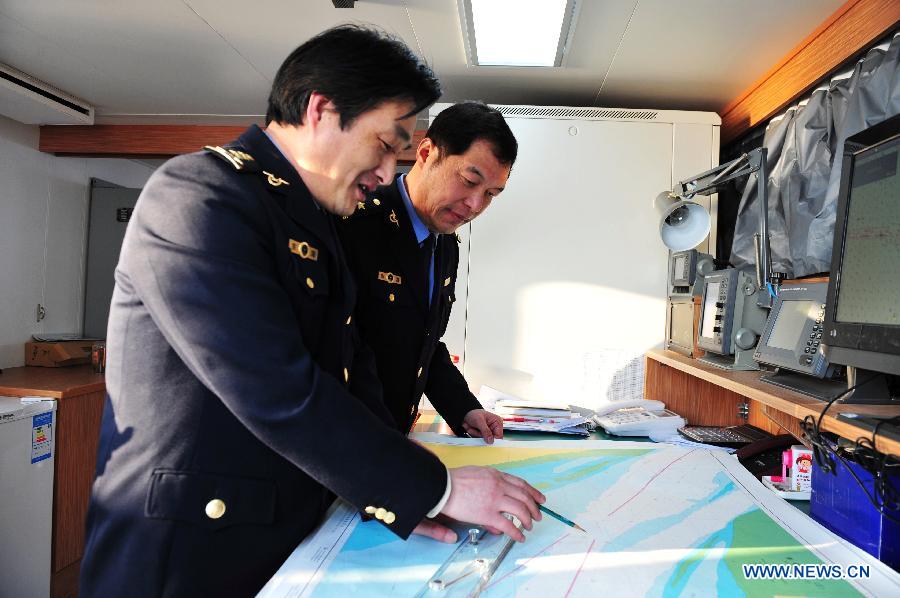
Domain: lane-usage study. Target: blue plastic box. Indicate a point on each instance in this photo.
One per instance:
(839, 504)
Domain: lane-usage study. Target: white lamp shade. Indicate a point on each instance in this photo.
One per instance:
(686, 231)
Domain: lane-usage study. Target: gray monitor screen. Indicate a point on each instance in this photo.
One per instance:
(869, 292)
(678, 267)
(709, 308)
(789, 323)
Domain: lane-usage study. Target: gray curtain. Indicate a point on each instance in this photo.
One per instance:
(804, 177)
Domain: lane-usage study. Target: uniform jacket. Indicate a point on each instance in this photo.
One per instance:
(229, 425)
(393, 314)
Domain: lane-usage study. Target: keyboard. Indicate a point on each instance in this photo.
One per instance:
(731, 436)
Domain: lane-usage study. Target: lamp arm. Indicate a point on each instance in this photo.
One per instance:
(749, 163)
(763, 257)
(729, 168)
(715, 170)
(720, 174)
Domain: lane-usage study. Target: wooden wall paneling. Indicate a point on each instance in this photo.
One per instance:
(132, 140)
(64, 583)
(773, 421)
(851, 29)
(408, 156)
(698, 401)
(150, 141)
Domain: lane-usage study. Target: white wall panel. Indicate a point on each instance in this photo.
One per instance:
(567, 272)
(23, 213)
(43, 207)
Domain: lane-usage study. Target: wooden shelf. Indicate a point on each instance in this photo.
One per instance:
(153, 141)
(793, 404)
(59, 383)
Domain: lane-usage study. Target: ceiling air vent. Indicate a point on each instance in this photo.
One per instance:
(564, 112)
(33, 102)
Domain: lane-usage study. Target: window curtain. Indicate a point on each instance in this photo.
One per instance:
(803, 175)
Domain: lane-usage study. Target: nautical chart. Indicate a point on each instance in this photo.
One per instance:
(660, 521)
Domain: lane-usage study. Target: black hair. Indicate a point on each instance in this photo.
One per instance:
(456, 128)
(357, 68)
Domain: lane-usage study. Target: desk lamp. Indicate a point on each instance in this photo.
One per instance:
(684, 224)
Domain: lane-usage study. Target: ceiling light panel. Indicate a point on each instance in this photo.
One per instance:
(517, 32)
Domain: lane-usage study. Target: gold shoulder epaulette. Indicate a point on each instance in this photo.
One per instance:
(240, 161)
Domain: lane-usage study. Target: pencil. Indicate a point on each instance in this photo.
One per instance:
(559, 517)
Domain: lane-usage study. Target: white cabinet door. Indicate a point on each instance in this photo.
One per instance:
(24, 191)
(566, 269)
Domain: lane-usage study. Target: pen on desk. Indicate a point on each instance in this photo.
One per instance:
(538, 420)
(559, 517)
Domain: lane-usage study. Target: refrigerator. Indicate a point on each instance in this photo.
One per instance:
(27, 452)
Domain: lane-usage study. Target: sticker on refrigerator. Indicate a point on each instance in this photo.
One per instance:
(41, 437)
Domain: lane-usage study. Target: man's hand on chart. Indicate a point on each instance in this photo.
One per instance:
(479, 423)
(483, 495)
(436, 529)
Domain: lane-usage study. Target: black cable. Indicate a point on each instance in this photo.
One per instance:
(886, 496)
(812, 429)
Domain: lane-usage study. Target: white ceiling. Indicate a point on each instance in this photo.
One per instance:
(213, 60)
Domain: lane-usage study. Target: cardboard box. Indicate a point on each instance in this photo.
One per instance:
(59, 354)
(801, 468)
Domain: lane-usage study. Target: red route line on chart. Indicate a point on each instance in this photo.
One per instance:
(657, 474)
(535, 555)
(577, 573)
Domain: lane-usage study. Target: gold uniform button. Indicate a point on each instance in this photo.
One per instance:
(380, 513)
(376, 201)
(371, 510)
(419, 373)
(391, 297)
(346, 375)
(349, 318)
(389, 518)
(310, 283)
(215, 508)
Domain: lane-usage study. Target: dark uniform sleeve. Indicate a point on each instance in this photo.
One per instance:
(207, 276)
(446, 387)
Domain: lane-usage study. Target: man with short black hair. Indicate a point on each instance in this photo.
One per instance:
(230, 424)
(404, 258)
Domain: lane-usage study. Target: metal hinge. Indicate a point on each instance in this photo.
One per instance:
(743, 410)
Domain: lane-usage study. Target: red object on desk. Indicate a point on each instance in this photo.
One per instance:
(530, 419)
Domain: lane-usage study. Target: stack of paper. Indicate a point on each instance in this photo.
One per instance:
(534, 416)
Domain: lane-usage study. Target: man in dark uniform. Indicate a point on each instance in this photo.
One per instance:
(229, 425)
(404, 256)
